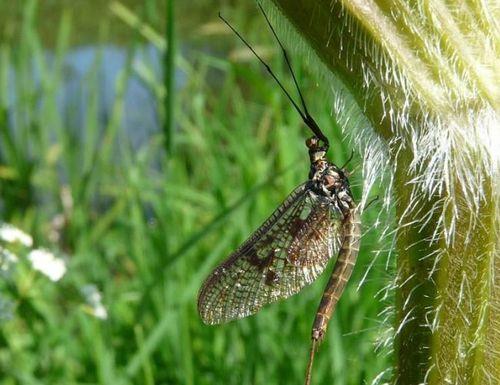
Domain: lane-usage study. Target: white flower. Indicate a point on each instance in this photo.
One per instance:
(11, 234)
(7, 259)
(94, 300)
(47, 263)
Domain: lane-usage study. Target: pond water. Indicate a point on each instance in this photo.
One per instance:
(140, 118)
(87, 46)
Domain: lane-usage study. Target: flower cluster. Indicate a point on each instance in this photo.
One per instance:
(13, 240)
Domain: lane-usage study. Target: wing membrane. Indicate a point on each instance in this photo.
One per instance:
(290, 250)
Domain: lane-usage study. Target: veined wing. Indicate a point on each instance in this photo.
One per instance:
(290, 250)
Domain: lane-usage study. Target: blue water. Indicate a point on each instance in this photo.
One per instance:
(140, 111)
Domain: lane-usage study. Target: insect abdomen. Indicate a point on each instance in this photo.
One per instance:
(351, 228)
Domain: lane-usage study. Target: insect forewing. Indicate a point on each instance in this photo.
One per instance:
(290, 250)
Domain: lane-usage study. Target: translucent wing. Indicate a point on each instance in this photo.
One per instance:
(290, 250)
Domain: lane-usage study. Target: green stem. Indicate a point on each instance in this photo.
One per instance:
(169, 77)
(447, 299)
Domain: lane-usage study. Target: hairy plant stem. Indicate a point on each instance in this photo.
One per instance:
(447, 295)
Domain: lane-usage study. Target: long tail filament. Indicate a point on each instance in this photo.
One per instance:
(310, 364)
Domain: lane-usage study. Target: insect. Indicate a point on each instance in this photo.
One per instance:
(317, 221)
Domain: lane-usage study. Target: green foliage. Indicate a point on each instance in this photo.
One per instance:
(146, 228)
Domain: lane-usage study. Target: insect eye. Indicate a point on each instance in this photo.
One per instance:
(312, 142)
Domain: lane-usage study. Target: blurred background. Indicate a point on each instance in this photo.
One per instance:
(140, 143)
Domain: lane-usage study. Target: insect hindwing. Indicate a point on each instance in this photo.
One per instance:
(290, 250)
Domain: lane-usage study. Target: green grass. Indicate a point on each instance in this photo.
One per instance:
(147, 228)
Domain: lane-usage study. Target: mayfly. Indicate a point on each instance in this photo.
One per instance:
(318, 220)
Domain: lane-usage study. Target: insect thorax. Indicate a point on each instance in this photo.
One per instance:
(326, 178)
